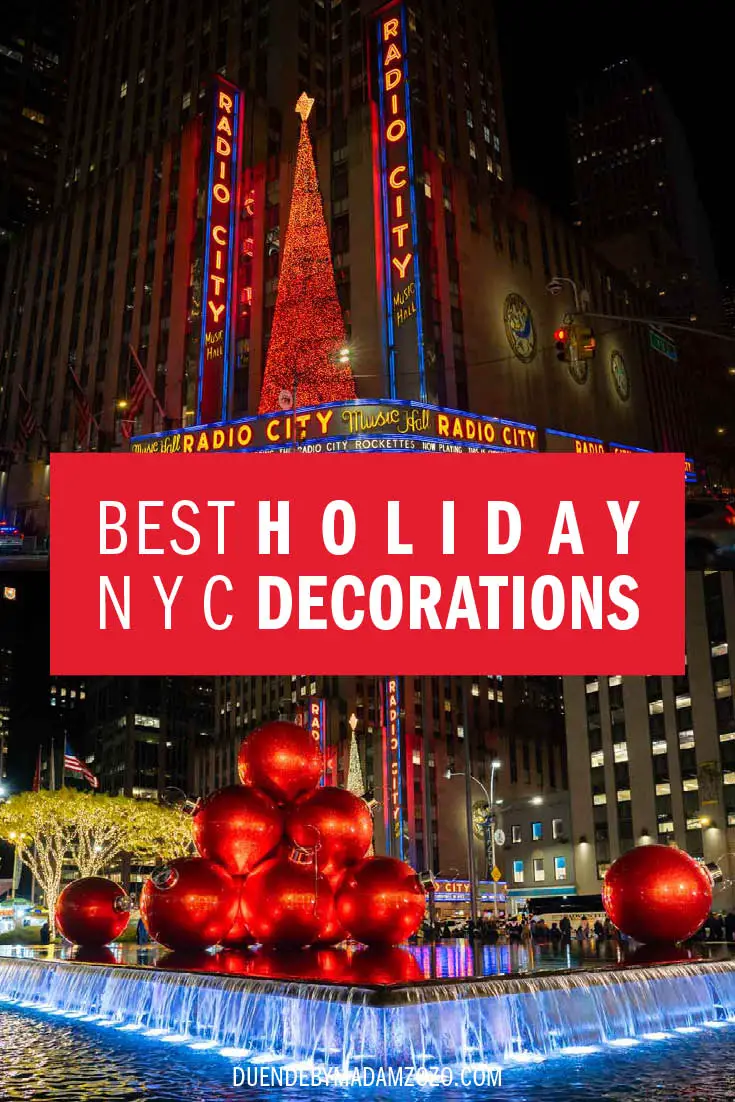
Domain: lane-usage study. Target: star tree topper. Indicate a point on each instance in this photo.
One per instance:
(304, 106)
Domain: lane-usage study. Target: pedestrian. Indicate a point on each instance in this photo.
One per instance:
(141, 934)
(716, 928)
(45, 934)
(730, 925)
(599, 930)
(566, 928)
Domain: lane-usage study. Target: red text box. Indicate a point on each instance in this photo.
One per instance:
(538, 564)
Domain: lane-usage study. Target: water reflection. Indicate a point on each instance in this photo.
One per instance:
(354, 964)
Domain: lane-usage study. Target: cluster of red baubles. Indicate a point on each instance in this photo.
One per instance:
(282, 863)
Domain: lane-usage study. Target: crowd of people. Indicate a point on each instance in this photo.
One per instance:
(524, 929)
(718, 926)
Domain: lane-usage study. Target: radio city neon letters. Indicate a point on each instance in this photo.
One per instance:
(400, 275)
(214, 353)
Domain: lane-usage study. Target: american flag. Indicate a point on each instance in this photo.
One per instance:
(141, 389)
(138, 395)
(84, 411)
(27, 422)
(72, 764)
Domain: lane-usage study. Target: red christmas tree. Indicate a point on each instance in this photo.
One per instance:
(308, 331)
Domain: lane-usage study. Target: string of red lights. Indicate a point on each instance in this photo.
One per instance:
(308, 329)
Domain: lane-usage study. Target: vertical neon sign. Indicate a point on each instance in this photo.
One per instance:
(393, 768)
(220, 248)
(318, 730)
(401, 276)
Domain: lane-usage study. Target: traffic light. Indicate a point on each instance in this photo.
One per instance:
(561, 336)
(584, 340)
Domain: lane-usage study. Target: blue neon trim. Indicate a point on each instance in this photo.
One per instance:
(207, 234)
(414, 218)
(391, 363)
(574, 436)
(405, 402)
(629, 448)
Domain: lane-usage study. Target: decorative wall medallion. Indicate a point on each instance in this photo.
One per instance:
(519, 328)
(620, 375)
(579, 371)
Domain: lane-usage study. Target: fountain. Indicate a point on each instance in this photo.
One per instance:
(285, 863)
(466, 1021)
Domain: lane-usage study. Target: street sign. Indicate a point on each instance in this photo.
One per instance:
(496, 874)
(499, 837)
(662, 344)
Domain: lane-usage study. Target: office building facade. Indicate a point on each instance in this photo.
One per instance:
(116, 272)
(652, 759)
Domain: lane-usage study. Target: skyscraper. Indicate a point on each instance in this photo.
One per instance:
(34, 41)
(652, 759)
(637, 197)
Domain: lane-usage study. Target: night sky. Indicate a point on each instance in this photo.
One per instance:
(548, 48)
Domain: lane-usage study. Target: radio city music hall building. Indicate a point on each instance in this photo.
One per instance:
(168, 238)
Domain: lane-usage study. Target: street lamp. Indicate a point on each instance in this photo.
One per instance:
(581, 296)
(489, 823)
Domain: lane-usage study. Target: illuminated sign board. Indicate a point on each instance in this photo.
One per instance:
(400, 275)
(220, 249)
(371, 425)
(568, 442)
(315, 721)
(393, 769)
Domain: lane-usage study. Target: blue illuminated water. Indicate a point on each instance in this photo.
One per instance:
(55, 1059)
(377, 1009)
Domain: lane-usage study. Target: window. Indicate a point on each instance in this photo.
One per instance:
(560, 868)
(690, 784)
(123, 89)
(664, 788)
(538, 869)
(686, 740)
(658, 746)
(620, 751)
(599, 799)
(597, 758)
(517, 872)
(515, 832)
(623, 795)
(557, 828)
(537, 831)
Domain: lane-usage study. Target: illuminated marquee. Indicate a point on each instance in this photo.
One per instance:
(220, 250)
(351, 426)
(569, 442)
(400, 266)
(380, 424)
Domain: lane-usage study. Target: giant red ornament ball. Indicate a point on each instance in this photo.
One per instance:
(237, 827)
(285, 903)
(381, 901)
(238, 936)
(657, 894)
(335, 822)
(282, 760)
(92, 911)
(191, 903)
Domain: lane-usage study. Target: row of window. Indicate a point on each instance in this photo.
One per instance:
(537, 831)
(539, 870)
